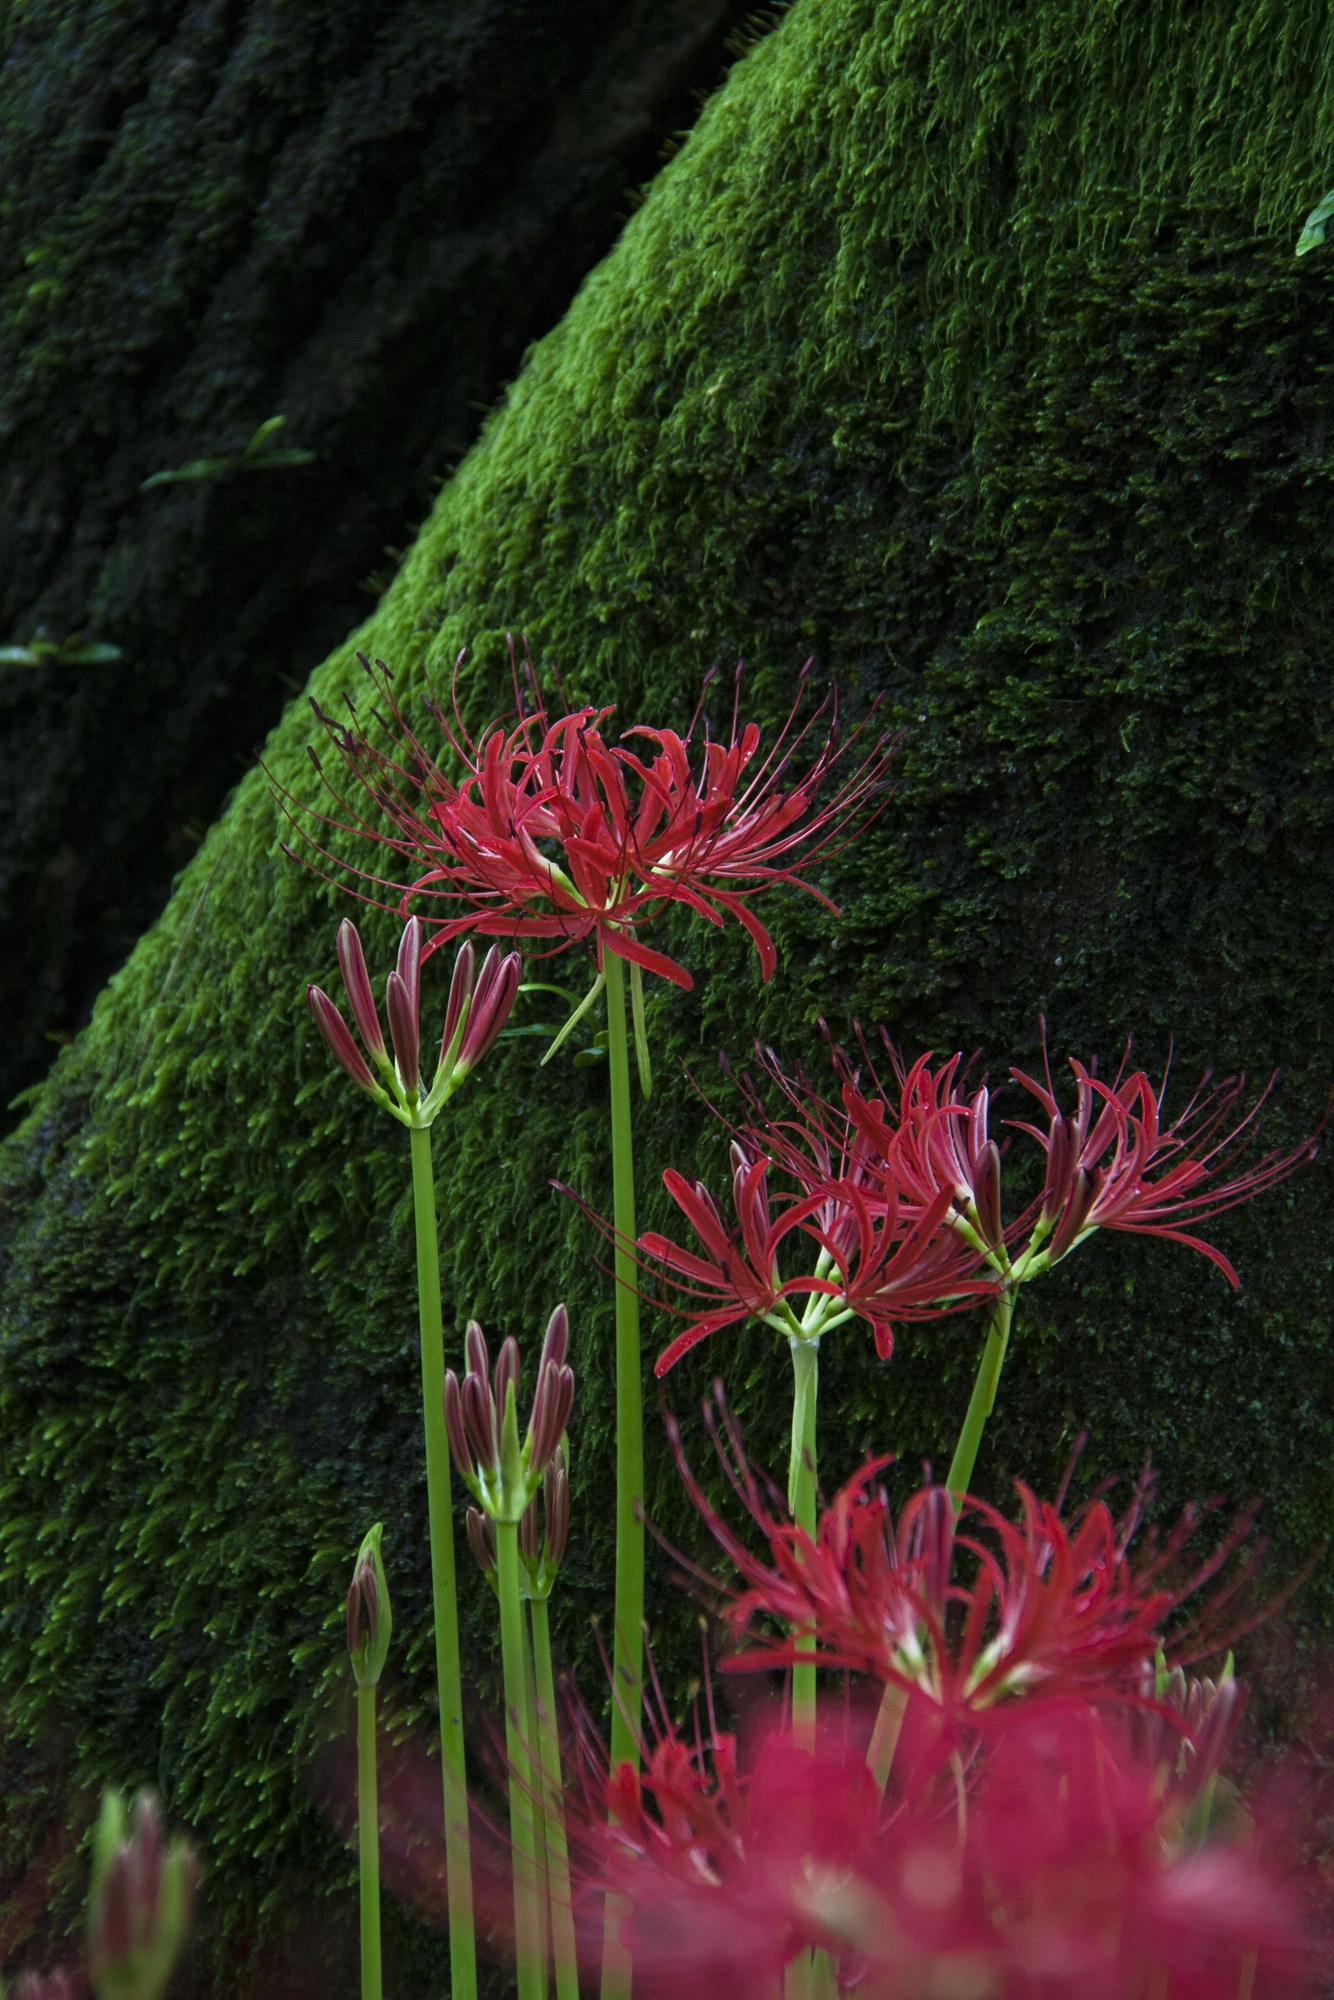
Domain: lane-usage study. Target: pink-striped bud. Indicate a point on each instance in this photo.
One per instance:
(1084, 1190)
(1060, 1167)
(556, 1340)
(482, 1540)
(403, 1029)
(987, 1194)
(479, 1419)
(479, 1361)
(556, 1503)
(338, 1038)
(551, 1413)
(352, 965)
(460, 987)
(409, 967)
(507, 1374)
(530, 1538)
(455, 1428)
(492, 1004)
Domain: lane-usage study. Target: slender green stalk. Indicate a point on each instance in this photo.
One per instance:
(628, 1646)
(557, 1852)
(540, 1895)
(801, 1500)
(983, 1399)
(368, 1844)
(528, 1964)
(885, 1736)
(449, 1676)
(628, 1638)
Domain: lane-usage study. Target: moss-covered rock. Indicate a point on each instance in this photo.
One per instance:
(964, 349)
(351, 214)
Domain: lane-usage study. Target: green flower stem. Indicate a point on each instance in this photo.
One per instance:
(557, 1852)
(528, 1963)
(449, 1677)
(368, 1844)
(983, 1399)
(885, 1736)
(801, 1500)
(628, 1638)
(628, 1647)
(540, 1893)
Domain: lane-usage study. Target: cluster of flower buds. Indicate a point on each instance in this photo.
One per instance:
(479, 1006)
(542, 1537)
(481, 1417)
(1186, 1726)
(370, 1619)
(139, 1902)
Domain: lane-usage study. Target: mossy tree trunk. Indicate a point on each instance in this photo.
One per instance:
(353, 215)
(964, 349)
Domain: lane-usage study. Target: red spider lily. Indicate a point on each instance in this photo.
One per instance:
(1055, 1606)
(1100, 1158)
(1054, 1873)
(555, 834)
(878, 1259)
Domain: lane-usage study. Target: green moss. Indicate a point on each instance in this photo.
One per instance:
(964, 349)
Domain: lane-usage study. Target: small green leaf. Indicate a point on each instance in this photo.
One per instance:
(1313, 229)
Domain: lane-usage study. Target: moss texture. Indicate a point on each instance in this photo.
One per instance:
(963, 348)
(351, 213)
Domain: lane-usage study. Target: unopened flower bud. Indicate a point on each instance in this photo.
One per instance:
(556, 1505)
(482, 1541)
(455, 1428)
(479, 1419)
(492, 1004)
(404, 1031)
(479, 1361)
(931, 1549)
(369, 1617)
(460, 990)
(1060, 1166)
(338, 1038)
(1084, 1190)
(530, 1539)
(506, 1375)
(987, 1194)
(410, 963)
(139, 1902)
(556, 1340)
(352, 965)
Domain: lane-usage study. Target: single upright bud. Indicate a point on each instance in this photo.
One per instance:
(369, 1616)
(987, 1194)
(1060, 1167)
(338, 1038)
(139, 1902)
(482, 1541)
(492, 1004)
(460, 991)
(930, 1550)
(356, 979)
(554, 1396)
(403, 1003)
(556, 1506)
(1084, 1191)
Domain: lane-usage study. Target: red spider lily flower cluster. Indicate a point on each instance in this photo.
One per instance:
(481, 1420)
(900, 1193)
(555, 835)
(1048, 1869)
(1057, 1607)
(478, 1007)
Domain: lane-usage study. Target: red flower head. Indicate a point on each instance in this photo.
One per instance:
(1058, 1608)
(1112, 1164)
(555, 834)
(878, 1259)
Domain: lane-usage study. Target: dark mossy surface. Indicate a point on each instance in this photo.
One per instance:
(964, 349)
(355, 214)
